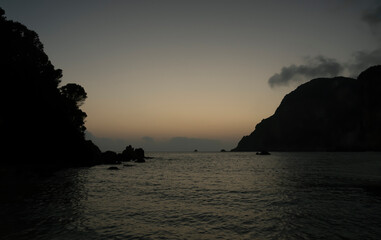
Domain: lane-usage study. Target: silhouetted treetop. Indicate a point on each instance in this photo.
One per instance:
(74, 92)
(2, 12)
(23, 54)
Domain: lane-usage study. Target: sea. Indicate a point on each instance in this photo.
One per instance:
(222, 195)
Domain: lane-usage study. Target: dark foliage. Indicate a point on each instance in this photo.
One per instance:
(74, 93)
(326, 114)
(110, 157)
(40, 122)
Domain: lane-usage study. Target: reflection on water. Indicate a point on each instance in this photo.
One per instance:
(51, 209)
(207, 196)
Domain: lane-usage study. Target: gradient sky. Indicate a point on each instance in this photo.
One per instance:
(169, 75)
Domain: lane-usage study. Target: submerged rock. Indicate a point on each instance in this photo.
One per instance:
(128, 165)
(113, 168)
(263, 153)
(140, 160)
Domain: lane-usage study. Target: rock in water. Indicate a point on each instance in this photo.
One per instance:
(113, 168)
(263, 153)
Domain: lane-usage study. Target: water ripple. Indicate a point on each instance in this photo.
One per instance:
(207, 196)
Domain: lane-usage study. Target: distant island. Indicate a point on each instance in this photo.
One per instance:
(324, 114)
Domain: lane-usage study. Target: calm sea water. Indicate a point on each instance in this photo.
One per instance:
(207, 196)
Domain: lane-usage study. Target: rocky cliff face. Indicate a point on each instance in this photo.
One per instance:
(325, 114)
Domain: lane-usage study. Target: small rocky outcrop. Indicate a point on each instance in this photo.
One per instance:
(113, 168)
(128, 154)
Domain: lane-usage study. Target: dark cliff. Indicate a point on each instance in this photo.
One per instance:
(325, 114)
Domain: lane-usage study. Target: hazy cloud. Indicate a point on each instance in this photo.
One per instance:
(190, 144)
(151, 144)
(149, 140)
(326, 67)
(322, 66)
(373, 18)
(319, 66)
(363, 60)
(181, 144)
(105, 144)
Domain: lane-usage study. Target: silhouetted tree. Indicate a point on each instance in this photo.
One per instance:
(39, 122)
(75, 93)
(74, 96)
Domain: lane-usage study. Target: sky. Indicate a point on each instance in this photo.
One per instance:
(184, 75)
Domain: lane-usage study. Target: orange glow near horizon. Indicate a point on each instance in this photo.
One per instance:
(211, 112)
(195, 69)
(203, 96)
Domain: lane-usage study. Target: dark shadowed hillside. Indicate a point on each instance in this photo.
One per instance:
(325, 114)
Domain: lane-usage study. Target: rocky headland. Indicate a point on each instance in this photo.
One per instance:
(324, 114)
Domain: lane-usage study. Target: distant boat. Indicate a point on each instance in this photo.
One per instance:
(263, 153)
